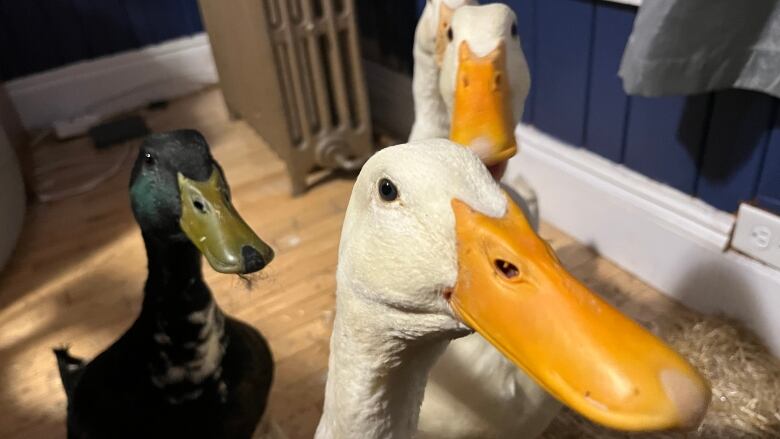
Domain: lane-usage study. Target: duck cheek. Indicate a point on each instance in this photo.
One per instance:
(155, 205)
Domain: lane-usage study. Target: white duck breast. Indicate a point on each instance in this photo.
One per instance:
(432, 248)
(430, 40)
(475, 392)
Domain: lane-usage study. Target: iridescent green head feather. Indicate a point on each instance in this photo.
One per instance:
(178, 192)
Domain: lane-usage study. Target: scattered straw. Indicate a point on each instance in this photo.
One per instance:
(250, 280)
(745, 381)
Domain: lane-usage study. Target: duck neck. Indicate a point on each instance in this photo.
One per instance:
(377, 373)
(183, 328)
(430, 112)
(175, 286)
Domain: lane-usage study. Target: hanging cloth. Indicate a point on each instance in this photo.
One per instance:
(681, 47)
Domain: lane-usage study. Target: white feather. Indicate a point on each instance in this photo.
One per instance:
(209, 350)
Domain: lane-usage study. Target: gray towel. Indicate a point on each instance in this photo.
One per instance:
(694, 46)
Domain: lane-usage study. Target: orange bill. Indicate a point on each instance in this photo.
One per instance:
(512, 289)
(482, 111)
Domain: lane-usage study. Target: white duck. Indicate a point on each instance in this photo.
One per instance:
(430, 40)
(485, 82)
(432, 248)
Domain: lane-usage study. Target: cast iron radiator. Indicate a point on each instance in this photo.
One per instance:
(292, 70)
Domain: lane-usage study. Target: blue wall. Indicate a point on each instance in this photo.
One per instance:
(37, 35)
(722, 147)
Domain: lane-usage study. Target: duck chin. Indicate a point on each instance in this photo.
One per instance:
(457, 330)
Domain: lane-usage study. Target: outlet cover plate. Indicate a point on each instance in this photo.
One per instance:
(757, 234)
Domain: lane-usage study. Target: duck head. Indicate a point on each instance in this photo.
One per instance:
(484, 80)
(178, 192)
(434, 24)
(429, 233)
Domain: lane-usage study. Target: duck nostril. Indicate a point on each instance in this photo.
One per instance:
(199, 206)
(508, 269)
(253, 260)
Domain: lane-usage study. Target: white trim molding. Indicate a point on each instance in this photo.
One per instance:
(109, 85)
(672, 241)
(627, 2)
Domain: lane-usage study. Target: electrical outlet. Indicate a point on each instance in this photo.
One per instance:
(757, 234)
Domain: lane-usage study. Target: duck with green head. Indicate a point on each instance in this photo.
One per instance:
(184, 368)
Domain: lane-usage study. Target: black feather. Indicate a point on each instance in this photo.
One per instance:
(120, 394)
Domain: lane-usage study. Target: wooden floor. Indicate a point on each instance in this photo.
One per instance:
(77, 275)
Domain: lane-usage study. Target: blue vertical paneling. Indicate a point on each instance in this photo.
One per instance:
(736, 143)
(155, 21)
(419, 6)
(607, 103)
(65, 30)
(37, 35)
(193, 16)
(768, 195)
(26, 31)
(563, 30)
(664, 138)
(526, 28)
(107, 26)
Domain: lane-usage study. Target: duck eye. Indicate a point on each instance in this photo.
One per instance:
(387, 190)
(449, 34)
(514, 29)
(148, 158)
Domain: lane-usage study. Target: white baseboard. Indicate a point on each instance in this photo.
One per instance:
(672, 241)
(116, 83)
